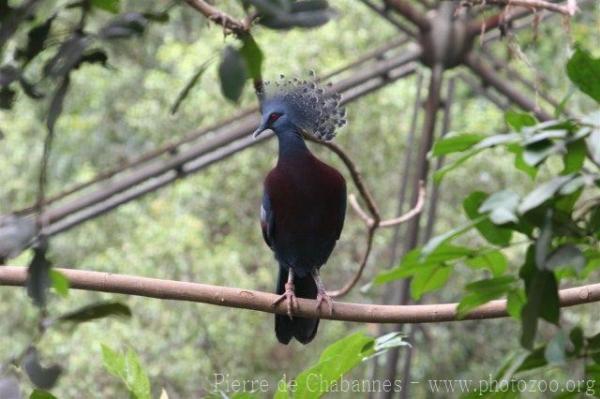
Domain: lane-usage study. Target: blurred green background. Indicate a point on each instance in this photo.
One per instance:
(204, 228)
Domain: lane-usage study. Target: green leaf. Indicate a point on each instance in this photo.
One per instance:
(592, 375)
(483, 291)
(497, 139)
(535, 154)
(575, 184)
(128, 368)
(593, 145)
(232, 73)
(455, 143)
(112, 6)
(440, 173)
(96, 311)
(494, 261)
(114, 362)
(252, 55)
(414, 261)
(282, 390)
(520, 163)
(534, 360)
(493, 234)
(335, 361)
(593, 342)
(60, 283)
(437, 241)
(518, 120)
(543, 193)
(542, 302)
(577, 339)
(429, 280)
(566, 255)
(515, 300)
(389, 341)
(39, 394)
(189, 86)
(502, 207)
(583, 70)
(574, 158)
(555, 352)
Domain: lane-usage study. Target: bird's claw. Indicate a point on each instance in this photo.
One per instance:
(290, 296)
(322, 296)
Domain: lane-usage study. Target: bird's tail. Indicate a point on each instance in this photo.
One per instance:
(304, 330)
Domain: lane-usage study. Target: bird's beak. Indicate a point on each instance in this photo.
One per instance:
(261, 129)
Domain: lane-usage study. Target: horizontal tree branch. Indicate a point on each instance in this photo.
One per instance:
(261, 301)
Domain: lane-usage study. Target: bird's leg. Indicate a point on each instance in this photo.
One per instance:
(289, 295)
(322, 293)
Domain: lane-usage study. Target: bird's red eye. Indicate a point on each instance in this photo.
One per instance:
(273, 117)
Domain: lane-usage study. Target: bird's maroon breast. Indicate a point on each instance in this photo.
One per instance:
(304, 195)
(308, 203)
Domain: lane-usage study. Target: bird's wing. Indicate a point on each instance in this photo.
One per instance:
(341, 211)
(267, 220)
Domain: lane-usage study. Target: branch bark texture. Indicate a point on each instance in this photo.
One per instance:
(262, 301)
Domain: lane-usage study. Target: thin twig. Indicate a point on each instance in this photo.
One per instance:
(229, 23)
(568, 8)
(354, 173)
(262, 301)
(390, 222)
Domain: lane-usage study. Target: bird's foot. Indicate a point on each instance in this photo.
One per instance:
(322, 296)
(290, 296)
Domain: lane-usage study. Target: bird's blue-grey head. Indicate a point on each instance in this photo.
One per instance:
(290, 105)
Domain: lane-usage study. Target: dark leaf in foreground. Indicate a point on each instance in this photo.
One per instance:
(301, 14)
(95, 56)
(42, 377)
(188, 87)
(97, 311)
(8, 74)
(38, 277)
(67, 56)
(7, 97)
(542, 302)
(36, 38)
(232, 73)
(124, 26)
(56, 105)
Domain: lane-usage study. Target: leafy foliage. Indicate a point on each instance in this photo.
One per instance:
(335, 361)
(128, 368)
(559, 230)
